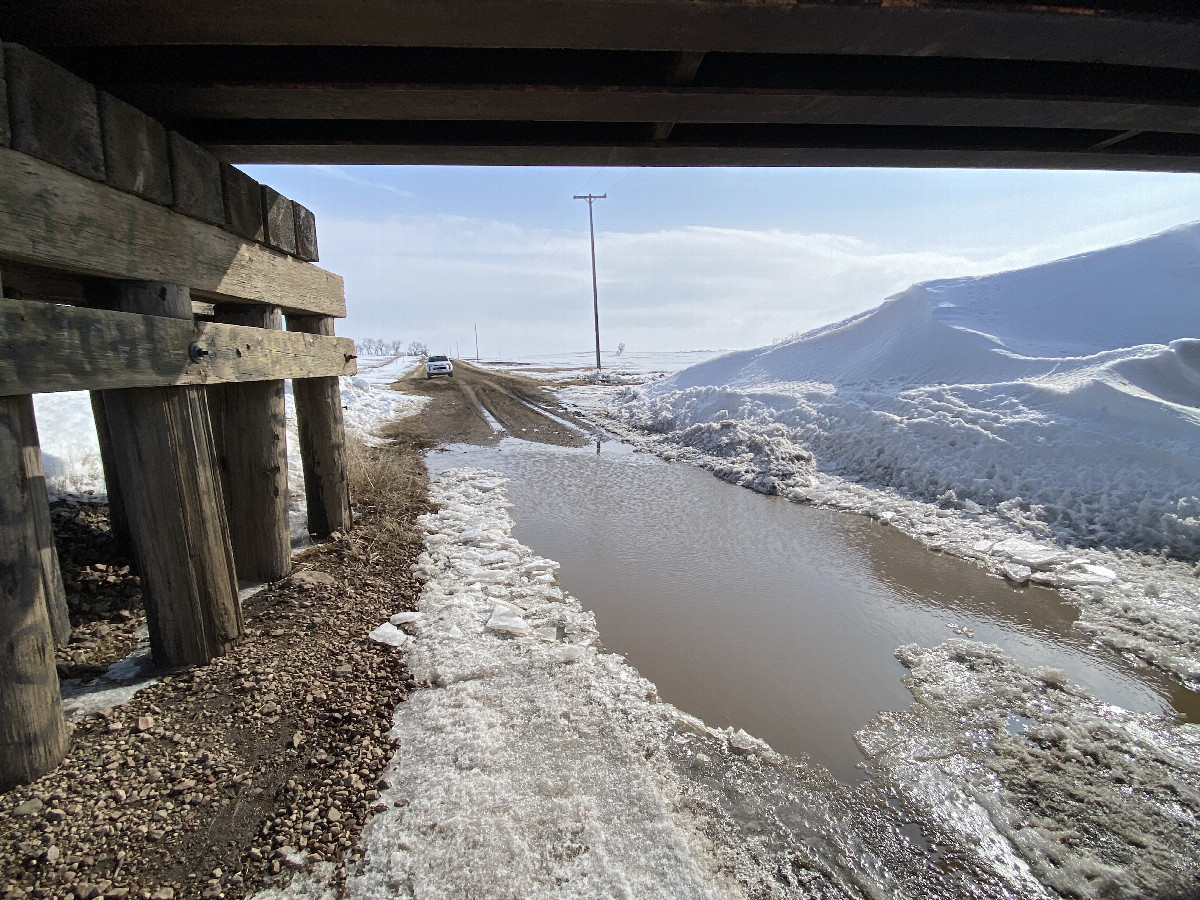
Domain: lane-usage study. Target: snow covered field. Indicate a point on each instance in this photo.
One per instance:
(1045, 422)
(630, 367)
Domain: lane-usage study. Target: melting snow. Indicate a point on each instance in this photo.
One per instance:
(1046, 420)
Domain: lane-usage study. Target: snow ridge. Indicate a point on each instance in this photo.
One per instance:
(1067, 393)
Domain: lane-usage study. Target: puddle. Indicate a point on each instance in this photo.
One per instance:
(781, 619)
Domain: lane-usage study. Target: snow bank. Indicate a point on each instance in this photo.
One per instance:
(1053, 787)
(1058, 404)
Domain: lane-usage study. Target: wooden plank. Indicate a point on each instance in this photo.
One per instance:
(279, 220)
(322, 434)
(5, 133)
(48, 347)
(166, 461)
(306, 233)
(135, 150)
(243, 203)
(52, 218)
(617, 103)
(196, 180)
(669, 154)
(250, 426)
(1009, 30)
(33, 732)
(54, 114)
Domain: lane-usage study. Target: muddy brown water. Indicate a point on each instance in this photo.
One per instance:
(771, 616)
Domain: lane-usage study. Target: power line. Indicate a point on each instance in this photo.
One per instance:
(591, 198)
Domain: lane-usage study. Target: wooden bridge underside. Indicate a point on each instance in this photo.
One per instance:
(1090, 84)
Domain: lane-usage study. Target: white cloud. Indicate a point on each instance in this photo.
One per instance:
(433, 277)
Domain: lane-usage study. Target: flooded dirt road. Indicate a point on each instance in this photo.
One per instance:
(781, 619)
(748, 610)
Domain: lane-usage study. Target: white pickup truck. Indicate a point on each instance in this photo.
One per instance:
(438, 365)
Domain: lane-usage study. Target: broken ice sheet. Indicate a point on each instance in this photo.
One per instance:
(1033, 779)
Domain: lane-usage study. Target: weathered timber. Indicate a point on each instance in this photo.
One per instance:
(54, 114)
(671, 154)
(52, 582)
(250, 425)
(887, 105)
(1114, 33)
(306, 233)
(33, 732)
(118, 519)
(5, 134)
(683, 73)
(53, 218)
(243, 203)
(166, 461)
(322, 433)
(278, 220)
(31, 283)
(196, 177)
(47, 347)
(135, 150)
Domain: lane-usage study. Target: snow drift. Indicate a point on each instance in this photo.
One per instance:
(1065, 397)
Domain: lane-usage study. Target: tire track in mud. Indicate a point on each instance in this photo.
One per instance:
(522, 406)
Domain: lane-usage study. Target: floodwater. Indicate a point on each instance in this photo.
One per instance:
(771, 616)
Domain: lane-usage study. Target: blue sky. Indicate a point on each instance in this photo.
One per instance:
(687, 258)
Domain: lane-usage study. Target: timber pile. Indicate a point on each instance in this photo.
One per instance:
(137, 266)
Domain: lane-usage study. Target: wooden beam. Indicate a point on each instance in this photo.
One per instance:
(33, 733)
(52, 218)
(250, 426)
(54, 113)
(322, 433)
(616, 103)
(1080, 30)
(673, 154)
(46, 348)
(167, 466)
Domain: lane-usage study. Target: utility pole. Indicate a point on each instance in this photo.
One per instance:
(590, 198)
(476, 342)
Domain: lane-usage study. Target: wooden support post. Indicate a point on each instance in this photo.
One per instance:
(250, 424)
(52, 583)
(169, 478)
(33, 732)
(118, 519)
(322, 441)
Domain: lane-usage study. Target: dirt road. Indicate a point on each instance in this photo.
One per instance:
(522, 407)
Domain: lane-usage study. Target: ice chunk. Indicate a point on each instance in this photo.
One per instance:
(508, 619)
(1015, 572)
(471, 535)
(405, 618)
(1027, 553)
(387, 633)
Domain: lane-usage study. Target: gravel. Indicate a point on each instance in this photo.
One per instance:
(222, 779)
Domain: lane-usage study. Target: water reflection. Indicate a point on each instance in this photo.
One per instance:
(773, 617)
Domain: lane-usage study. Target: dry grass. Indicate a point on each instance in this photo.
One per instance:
(389, 486)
